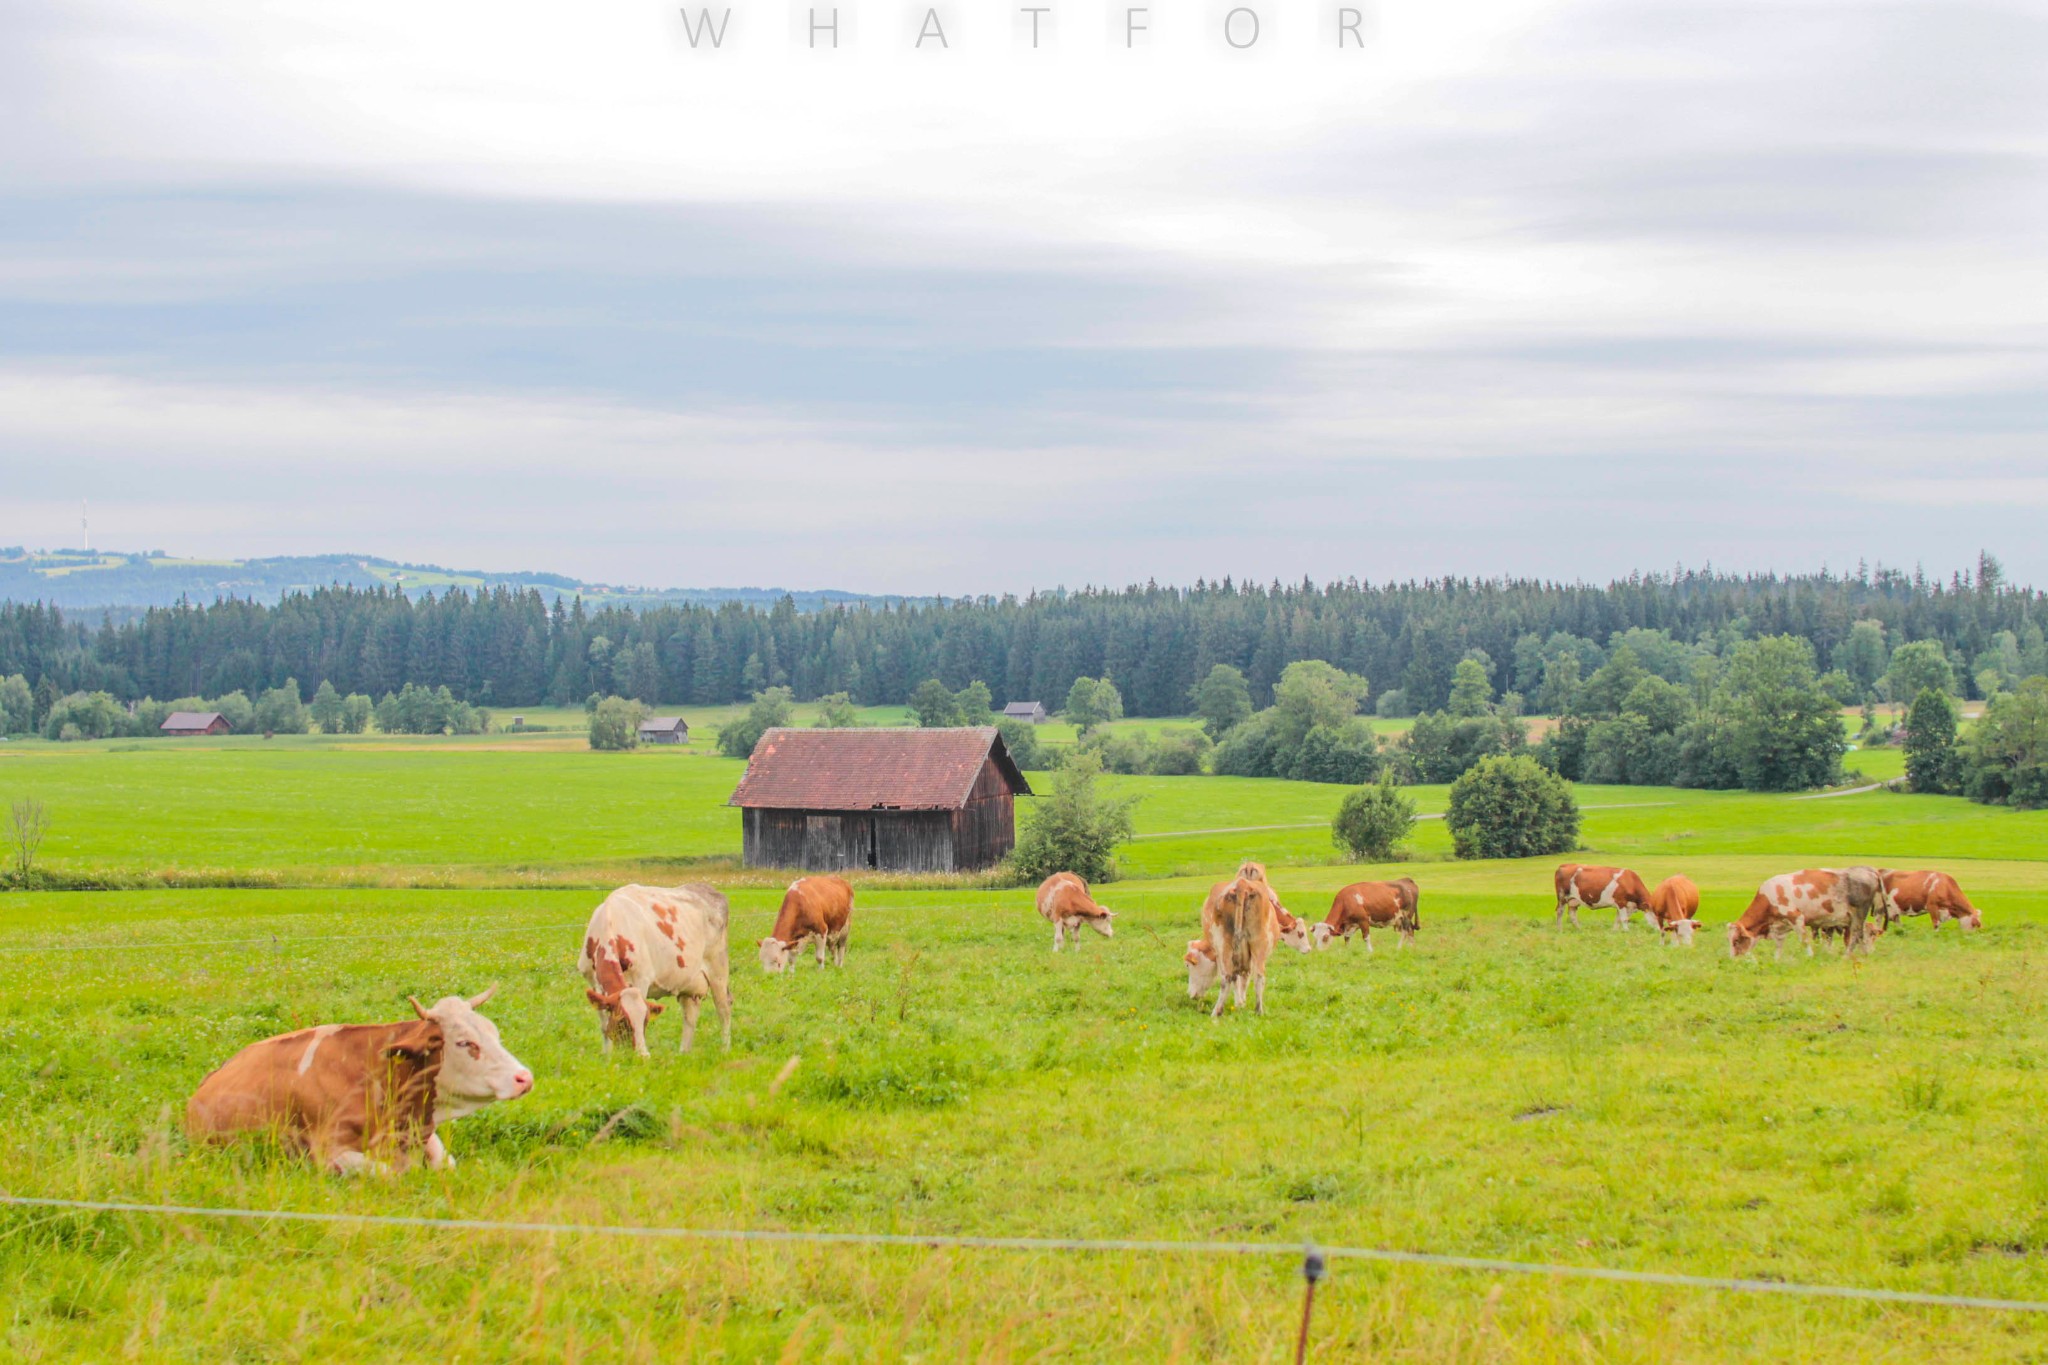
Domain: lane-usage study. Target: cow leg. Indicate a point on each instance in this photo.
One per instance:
(1222, 998)
(1574, 908)
(818, 947)
(348, 1162)
(1621, 917)
(721, 997)
(1560, 915)
(1059, 934)
(839, 949)
(437, 1154)
(1261, 978)
(691, 1004)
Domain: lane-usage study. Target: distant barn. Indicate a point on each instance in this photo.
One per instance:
(941, 800)
(1033, 711)
(664, 730)
(195, 723)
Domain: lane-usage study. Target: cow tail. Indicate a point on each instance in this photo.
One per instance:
(1237, 923)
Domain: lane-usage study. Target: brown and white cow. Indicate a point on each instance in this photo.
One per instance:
(363, 1097)
(1063, 900)
(1675, 908)
(1362, 905)
(814, 908)
(1293, 930)
(1818, 899)
(1241, 924)
(1201, 960)
(1599, 888)
(649, 941)
(1933, 894)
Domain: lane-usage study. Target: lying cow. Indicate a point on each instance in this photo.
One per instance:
(649, 941)
(814, 908)
(1063, 900)
(1820, 899)
(1675, 908)
(1599, 888)
(1363, 905)
(363, 1097)
(1241, 924)
(1933, 894)
(1293, 931)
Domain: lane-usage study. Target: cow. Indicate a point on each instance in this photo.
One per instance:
(1674, 908)
(814, 908)
(1817, 899)
(1241, 926)
(1599, 888)
(1294, 932)
(1933, 894)
(649, 941)
(363, 1097)
(1201, 960)
(1063, 900)
(1362, 905)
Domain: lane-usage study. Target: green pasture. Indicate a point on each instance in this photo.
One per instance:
(1502, 1089)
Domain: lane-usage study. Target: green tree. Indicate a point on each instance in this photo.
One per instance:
(615, 724)
(1092, 702)
(1560, 688)
(326, 708)
(2007, 750)
(935, 705)
(280, 712)
(1076, 828)
(1864, 655)
(1603, 693)
(17, 705)
(1310, 693)
(1933, 763)
(836, 711)
(973, 703)
(1223, 700)
(1512, 807)
(1020, 737)
(1471, 690)
(772, 707)
(1784, 733)
(237, 710)
(85, 715)
(356, 710)
(1917, 666)
(1372, 822)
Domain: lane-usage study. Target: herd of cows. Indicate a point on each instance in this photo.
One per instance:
(360, 1097)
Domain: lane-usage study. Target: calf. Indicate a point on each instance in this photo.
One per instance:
(1063, 899)
(1933, 894)
(1818, 899)
(1599, 888)
(814, 908)
(363, 1097)
(1293, 931)
(1674, 908)
(648, 941)
(1362, 905)
(1242, 925)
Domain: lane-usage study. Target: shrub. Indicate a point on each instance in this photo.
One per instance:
(1512, 807)
(280, 712)
(1393, 704)
(1138, 753)
(1075, 828)
(86, 715)
(615, 725)
(1347, 753)
(836, 711)
(1441, 748)
(416, 710)
(1373, 821)
(1020, 737)
(772, 707)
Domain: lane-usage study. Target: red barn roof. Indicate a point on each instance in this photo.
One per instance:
(872, 769)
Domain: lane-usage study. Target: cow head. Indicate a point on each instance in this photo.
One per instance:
(1295, 932)
(1682, 930)
(1101, 923)
(625, 1014)
(1740, 940)
(1201, 968)
(775, 954)
(1321, 935)
(476, 1070)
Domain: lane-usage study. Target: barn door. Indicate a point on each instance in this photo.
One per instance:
(824, 843)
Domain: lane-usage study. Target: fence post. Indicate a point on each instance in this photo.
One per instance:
(1312, 1266)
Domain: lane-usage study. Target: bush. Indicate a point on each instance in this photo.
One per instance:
(1393, 705)
(416, 710)
(615, 725)
(772, 707)
(1347, 753)
(1512, 807)
(86, 715)
(1137, 753)
(1075, 828)
(1373, 821)
(1247, 751)
(1020, 737)
(836, 711)
(280, 712)
(1441, 748)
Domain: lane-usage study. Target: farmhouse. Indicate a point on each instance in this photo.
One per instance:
(664, 730)
(1033, 711)
(194, 723)
(902, 800)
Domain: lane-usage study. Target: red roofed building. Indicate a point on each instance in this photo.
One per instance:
(941, 800)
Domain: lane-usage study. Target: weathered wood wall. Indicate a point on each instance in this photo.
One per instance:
(977, 835)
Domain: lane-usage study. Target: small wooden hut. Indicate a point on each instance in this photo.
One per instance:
(195, 723)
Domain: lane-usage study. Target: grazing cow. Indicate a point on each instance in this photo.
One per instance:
(1201, 960)
(1822, 899)
(648, 941)
(1675, 908)
(1362, 905)
(363, 1097)
(1241, 926)
(1933, 894)
(1294, 932)
(1599, 888)
(815, 908)
(1063, 899)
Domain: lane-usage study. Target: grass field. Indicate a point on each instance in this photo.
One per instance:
(1499, 1090)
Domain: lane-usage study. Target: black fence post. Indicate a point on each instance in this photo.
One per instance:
(1312, 1267)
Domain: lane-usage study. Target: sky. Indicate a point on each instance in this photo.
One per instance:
(1553, 288)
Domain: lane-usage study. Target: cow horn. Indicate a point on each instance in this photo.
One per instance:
(417, 1008)
(477, 1001)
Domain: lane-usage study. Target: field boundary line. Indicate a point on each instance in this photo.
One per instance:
(285, 940)
(1324, 824)
(949, 1242)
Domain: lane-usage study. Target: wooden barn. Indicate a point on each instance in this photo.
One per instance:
(900, 800)
(195, 723)
(664, 730)
(1032, 711)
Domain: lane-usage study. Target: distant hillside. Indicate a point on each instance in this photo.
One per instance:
(79, 579)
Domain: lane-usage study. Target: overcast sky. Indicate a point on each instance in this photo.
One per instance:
(1550, 288)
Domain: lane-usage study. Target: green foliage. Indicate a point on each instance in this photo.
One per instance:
(86, 715)
(1471, 690)
(1512, 808)
(1223, 700)
(421, 711)
(1916, 667)
(1842, 688)
(356, 712)
(1372, 822)
(1178, 753)
(1092, 702)
(1560, 685)
(615, 724)
(2006, 756)
(1783, 732)
(974, 703)
(773, 707)
(280, 712)
(237, 710)
(836, 711)
(1313, 693)
(326, 708)
(1933, 762)
(1020, 737)
(17, 705)
(1076, 828)
(934, 705)
(1440, 747)
(1864, 655)
(1393, 704)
